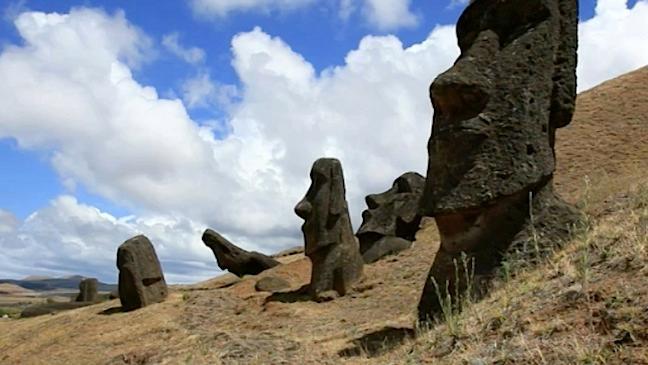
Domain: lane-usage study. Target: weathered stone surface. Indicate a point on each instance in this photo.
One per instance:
(496, 111)
(393, 213)
(141, 281)
(271, 284)
(87, 290)
(328, 235)
(385, 246)
(235, 259)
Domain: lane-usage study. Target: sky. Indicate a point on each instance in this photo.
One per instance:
(163, 118)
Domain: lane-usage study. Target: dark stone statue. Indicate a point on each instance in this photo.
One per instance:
(329, 240)
(87, 291)
(234, 259)
(141, 281)
(491, 153)
(392, 218)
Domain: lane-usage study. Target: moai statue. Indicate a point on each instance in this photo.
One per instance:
(235, 259)
(87, 290)
(141, 281)
(328, 236)
(491, 153)
(392, 218)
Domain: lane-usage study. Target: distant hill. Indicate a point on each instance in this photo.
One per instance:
(47, 284)
(12, 289)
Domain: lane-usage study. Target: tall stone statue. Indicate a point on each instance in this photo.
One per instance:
(491, 153)
(141, 281)
(392, 218)
(88, 290)
(328, 236)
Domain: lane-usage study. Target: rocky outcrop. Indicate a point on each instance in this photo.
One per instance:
(392, 218)
(329, 241)
(491, 156)
(87, 290)
(141, 281)
(235, 259)
(271, 284)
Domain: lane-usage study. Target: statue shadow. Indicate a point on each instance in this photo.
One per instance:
(378, 342)
(112, 310)
(293, 296)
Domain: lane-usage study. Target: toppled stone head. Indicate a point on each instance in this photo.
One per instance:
(87, 290)
(141, 281)
(235, 259)
(328, 236)
(496, 111)
(393, 213)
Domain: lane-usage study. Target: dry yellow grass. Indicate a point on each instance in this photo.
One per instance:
(571, 309)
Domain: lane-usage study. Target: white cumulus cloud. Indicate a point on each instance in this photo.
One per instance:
(222, 8)
(192, 55)
(67, 237)
(613, 42)
(8, 222)
(389, 14)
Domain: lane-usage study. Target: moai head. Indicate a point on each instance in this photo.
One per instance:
(324, 208)
(393, 213)
(141, 281)
(496, 110)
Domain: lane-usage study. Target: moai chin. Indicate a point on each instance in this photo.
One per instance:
(491, 152)
(328, 236)
(141, 281)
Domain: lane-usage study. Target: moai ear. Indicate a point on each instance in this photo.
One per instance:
(337, 201)
(564, 88)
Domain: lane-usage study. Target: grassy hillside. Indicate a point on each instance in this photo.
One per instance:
(586, 304)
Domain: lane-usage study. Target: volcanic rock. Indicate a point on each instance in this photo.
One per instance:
(271, 284)
(141, 281)
(393, 213)
(329, 241)
(491, 152)
(87, 290)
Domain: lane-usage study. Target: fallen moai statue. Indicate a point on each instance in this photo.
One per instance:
(491, 152)
(235, 259)
(329, 241)
(141, 281)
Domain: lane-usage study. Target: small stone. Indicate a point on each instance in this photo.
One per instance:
(271, 284)
(574, 293)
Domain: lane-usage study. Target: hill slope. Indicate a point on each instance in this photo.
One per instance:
(225, 320)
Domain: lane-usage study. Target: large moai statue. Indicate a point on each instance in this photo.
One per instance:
(235, 259)
(392, 218)
(491, 153)
(87, 290)
(141, 281)
(328, 236)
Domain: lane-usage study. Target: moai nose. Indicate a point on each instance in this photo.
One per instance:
(458, 97)
(303, 209)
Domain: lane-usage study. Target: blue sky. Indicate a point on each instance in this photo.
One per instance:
(165, 117)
